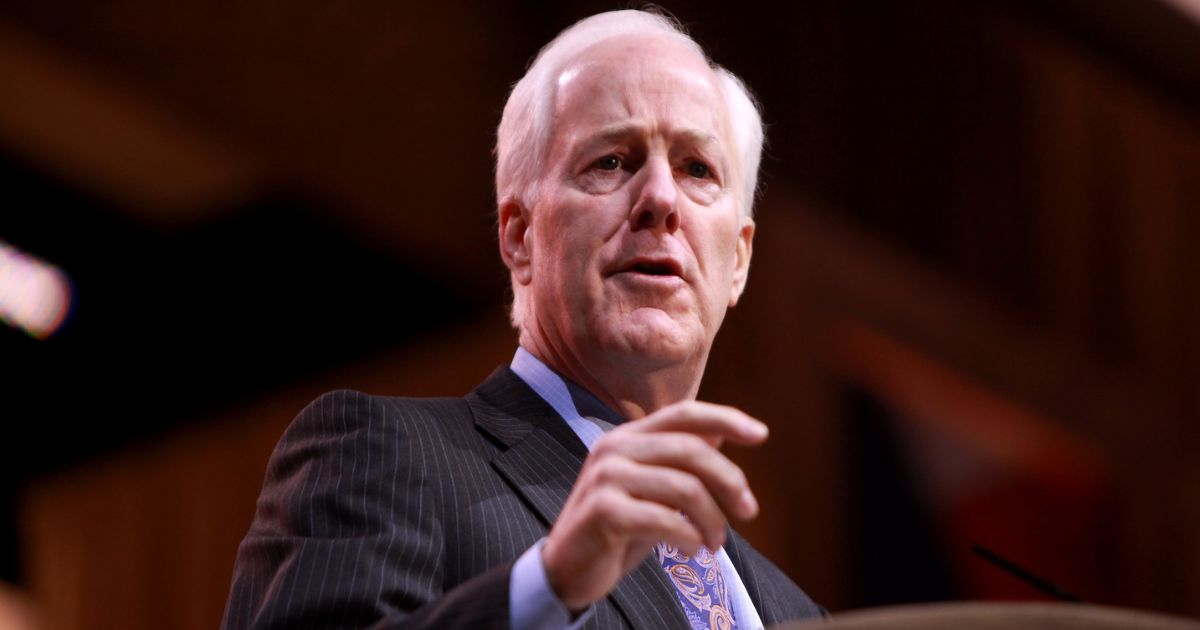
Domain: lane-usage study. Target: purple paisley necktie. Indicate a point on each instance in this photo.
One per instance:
(700, 586)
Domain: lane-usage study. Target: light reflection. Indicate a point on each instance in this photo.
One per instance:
(35, 296)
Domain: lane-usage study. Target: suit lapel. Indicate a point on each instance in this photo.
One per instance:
(541, 455)
(541, 459)
(647, 598)
(742, 559)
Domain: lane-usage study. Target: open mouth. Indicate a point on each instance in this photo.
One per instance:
(658, 267)
(654, 269)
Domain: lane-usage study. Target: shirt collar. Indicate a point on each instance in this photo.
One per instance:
(568, 398)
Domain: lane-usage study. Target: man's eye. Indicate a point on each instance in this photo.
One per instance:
(608, 163)
(699, 170)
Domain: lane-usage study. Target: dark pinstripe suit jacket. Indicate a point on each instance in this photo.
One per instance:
(410, 513)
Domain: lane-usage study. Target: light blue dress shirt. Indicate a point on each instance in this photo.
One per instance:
(532, 604)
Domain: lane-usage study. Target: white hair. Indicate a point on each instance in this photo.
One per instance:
(525, 133)
(524, 136)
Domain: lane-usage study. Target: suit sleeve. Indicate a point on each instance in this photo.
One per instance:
(348, 532)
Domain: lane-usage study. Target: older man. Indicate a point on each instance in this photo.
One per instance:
(582, 484)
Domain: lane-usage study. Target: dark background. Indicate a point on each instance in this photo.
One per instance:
(971, 315)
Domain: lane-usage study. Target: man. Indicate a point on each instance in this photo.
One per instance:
(582, 484)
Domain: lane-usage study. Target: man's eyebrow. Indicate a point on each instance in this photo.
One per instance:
(621, 131)
(699, 138)
(613, 133)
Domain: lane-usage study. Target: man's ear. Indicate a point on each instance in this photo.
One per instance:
(515, 246)
(741, 270)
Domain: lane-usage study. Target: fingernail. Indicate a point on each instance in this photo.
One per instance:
(759, 430)
(749, 505)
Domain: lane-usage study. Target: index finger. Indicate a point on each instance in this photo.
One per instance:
(710, 421)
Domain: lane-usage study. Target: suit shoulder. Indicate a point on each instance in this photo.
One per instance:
(345, 425)
(345, 410)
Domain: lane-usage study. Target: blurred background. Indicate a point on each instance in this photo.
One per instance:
(972, 316)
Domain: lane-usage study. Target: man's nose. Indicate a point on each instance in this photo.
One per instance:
(655, 207)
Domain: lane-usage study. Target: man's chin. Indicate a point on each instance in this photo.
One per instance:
(654, 336)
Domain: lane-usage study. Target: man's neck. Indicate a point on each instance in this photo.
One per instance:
(632, 386)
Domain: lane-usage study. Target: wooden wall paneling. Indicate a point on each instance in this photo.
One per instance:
(856, 276)
(1113, 182)
(766, 361)
(145, 538)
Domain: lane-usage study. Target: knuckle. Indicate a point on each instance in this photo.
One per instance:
(690, 444)
(604, 445)
(604, 503)
(684, 410)
(730, 409)
(667, 520)
(693, 449)
(693, 490)
(608, 470)
(614, 441)
(737, 476)
(734, 480)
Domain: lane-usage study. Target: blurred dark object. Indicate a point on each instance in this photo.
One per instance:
(1025, 575)
(958, 463)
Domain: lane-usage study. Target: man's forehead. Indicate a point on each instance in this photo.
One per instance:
(612, 86)
(637, 54)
